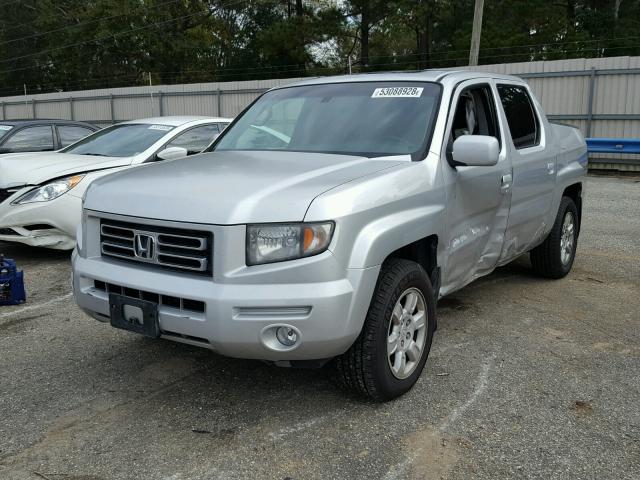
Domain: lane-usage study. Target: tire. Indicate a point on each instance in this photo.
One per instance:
(366, 367)
(554, 257)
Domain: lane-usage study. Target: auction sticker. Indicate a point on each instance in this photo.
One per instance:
(164, 128)
(397, 92)
(6, 127)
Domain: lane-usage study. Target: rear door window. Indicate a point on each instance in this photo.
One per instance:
(521, 116)
(69, 134)
(196, 139)
(31, 139)
(4, 129)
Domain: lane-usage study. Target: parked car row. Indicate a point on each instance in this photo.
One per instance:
(41, 193)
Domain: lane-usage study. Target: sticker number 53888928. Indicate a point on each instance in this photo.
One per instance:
(397, 92)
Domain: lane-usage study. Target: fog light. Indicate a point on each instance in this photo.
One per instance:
(286, 336)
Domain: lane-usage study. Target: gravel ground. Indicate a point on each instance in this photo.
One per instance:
(528, 378)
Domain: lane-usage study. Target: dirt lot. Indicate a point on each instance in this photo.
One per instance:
(528, 378)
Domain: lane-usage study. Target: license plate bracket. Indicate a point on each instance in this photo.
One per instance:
(134, 315)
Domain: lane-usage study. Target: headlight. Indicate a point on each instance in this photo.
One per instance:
(279, 242)
(49, 191)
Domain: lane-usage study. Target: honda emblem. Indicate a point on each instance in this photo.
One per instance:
(144, 246)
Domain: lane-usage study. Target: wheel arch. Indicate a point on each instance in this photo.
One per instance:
(425, 253)
(574, 192)
(413, 234)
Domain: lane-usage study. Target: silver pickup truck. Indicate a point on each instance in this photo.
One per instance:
(326, 221)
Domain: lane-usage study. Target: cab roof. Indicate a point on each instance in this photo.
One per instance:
(45, 121)
(178, 120)
(436, 76)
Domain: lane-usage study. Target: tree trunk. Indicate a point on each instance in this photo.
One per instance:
(301, 31)
(571, 16)
(423, 48)
(364, 33)
(616, 9)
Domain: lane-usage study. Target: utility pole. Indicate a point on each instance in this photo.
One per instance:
(26, 107)
(151, 92)
(476, 32)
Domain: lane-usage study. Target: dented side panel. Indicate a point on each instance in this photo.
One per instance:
(478, 200)
(534, 185)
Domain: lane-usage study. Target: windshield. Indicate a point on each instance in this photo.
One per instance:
(365, 118)
(124, 140)
(4, 129)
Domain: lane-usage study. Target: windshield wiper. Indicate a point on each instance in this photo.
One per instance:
(94, 154)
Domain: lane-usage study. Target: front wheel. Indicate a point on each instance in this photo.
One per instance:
(554, 257)
(389, 354)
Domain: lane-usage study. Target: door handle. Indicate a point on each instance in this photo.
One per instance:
(506, 183)
(551, 167)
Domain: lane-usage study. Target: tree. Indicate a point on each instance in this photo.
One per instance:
(366, 14)
(78, 44)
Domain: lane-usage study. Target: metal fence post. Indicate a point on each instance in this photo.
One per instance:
(592, 93)
(33, 107)
(4, 111)
(160, 108)
(219, 99)
(112, 109)
(71, 109)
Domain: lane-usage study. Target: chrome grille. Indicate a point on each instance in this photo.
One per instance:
(171, 248)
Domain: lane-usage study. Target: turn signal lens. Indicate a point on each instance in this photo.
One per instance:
(315, 237)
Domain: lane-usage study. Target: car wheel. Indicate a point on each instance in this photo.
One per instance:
(389, 354)
(554, 257)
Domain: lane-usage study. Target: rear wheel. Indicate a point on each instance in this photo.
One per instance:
(554, 257)
(387, 358)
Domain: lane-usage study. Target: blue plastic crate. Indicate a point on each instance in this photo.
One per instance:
(11, 283)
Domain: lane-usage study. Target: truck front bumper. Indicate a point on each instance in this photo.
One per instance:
(237, 320)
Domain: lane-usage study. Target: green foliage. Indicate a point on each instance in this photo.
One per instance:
(54, 45)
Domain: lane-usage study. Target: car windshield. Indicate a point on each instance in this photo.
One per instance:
(124, 140)
(4, 129)
(364, 118)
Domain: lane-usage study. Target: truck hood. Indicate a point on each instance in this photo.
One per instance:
(228, 188)
(17, 170)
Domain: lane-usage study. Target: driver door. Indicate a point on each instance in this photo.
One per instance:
(478, 197)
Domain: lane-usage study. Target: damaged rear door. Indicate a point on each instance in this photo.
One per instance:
(534, 170)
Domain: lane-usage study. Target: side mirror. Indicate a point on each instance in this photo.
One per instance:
(172, 153)
(475, 151)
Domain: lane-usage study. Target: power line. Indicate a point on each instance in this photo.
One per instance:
(80, 24)
(9, 3)
(434, 54)
(507, 47)
(292, 68)
(284, 69)
(121, 33)
(275, 2)
(62, 14)
(32, 22)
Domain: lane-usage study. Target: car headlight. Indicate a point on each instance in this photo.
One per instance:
(49, 191)
(270, 243)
